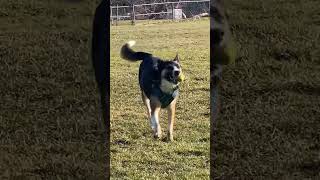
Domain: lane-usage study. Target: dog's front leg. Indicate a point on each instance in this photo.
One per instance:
(171, 115)
(155, 123)
(146, 101)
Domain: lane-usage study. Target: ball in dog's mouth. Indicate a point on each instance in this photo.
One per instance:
(181, 77)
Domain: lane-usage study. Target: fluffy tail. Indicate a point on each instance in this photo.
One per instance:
(129, 54)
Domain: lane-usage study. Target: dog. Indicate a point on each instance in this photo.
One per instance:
(159, 84)
(222, 52)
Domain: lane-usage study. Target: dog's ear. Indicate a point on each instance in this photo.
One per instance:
(176, 58)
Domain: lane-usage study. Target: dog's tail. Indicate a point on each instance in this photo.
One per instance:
(130, 55)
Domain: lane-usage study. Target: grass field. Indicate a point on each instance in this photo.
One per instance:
(49, 106)
(269, 126)
(134, 152)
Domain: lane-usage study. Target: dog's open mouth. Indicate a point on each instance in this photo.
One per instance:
(176, 79)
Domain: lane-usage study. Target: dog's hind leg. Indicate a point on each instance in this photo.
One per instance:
(155, 123)
(171, 116)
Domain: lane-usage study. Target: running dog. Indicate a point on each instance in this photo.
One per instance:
(222, 51)
(159, 83)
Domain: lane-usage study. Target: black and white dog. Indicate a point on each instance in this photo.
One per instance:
(222, 50)
(159, 83)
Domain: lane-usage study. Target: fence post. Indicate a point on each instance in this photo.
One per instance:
(133, 22)
(172, 11)
(117, 15)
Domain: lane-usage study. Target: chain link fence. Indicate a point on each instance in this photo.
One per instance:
(182, 10)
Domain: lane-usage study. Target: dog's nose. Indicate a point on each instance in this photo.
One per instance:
(216, 35)
(176, 73)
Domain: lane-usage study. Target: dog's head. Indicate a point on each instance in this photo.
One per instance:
(171, 71)
(219, 24)
(223, 48)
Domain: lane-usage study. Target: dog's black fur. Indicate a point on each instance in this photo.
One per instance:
(101, 46)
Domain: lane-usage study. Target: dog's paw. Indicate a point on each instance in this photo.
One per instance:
(157, 136)
(170, 138)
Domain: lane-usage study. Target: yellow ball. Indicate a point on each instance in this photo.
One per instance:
(224, 55)
(181, 77)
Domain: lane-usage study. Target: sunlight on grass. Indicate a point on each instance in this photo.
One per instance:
(134, 153)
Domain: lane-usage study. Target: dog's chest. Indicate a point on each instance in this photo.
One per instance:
(167, 87)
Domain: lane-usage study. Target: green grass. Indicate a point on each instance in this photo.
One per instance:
(134, 152)
(270, 119)
(49, 107)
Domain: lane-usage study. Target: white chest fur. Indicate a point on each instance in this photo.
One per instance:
(167, 87)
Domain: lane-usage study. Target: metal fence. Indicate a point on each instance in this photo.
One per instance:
(160, 11)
